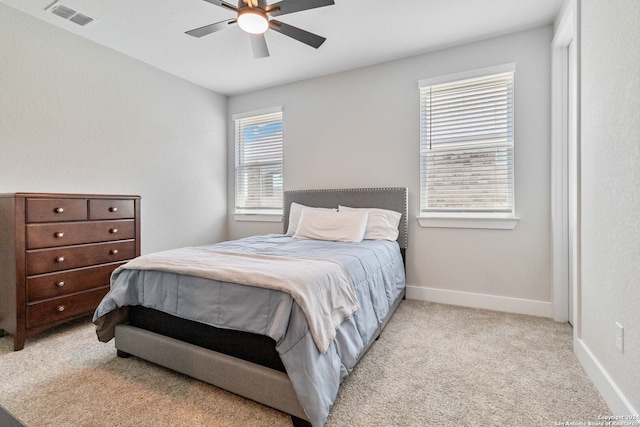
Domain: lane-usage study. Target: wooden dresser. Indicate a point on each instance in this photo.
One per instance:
(57, 252)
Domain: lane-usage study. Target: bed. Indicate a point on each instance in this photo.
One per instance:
(267, 342)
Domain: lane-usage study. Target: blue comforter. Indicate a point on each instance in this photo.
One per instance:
(375, 267)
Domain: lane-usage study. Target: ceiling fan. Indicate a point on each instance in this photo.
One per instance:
(256, 16)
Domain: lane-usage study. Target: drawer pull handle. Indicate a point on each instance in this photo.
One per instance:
(58, 210)
(59, 234)
(113, 252)
(60, 308)
(60, 284)
(60, 259)
(113, 230)
(113, 209)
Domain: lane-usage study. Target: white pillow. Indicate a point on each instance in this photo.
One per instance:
(382, 224)
(331, 225)
(294, 216)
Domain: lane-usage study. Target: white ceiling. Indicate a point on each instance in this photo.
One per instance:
(358, 32)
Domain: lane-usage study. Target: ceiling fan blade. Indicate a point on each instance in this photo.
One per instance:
(224, 4)
(303, 36)
(211, 28)
(290, 6)
(259, 46)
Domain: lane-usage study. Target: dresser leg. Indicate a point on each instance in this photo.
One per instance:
(18, 341)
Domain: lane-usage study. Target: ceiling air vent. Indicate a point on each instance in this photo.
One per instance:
(80, 19)
(66, 12)
(62, 11)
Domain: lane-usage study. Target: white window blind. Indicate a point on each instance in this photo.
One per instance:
(466, 146)
(259, 153)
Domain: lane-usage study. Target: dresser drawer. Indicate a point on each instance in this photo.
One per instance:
(58, 309)
(74, 233)
(69, 282)
(52, 210)
(111, 208)
(56, 259)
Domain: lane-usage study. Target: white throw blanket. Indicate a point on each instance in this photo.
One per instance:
(322, 288)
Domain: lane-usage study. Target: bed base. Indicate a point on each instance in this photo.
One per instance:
(264, 385)
(261, 384)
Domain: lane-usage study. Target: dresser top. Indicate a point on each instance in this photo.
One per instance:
(69, 195)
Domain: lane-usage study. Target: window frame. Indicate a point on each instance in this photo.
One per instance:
(492, 220)
(263, 213)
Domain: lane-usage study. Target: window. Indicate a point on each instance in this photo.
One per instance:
(466, 148)
(259, 183)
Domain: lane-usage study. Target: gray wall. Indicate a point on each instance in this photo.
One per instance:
(78, 117)
(610, 183)
(360, 128)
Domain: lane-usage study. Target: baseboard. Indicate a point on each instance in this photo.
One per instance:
(614, 397)
(488, 302)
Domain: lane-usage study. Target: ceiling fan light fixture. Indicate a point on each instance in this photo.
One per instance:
(253, 21)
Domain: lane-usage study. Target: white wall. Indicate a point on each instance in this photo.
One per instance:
(610, 195)
(76, 117)
(360, 129)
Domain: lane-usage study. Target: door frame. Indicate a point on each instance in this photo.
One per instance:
(565, 176)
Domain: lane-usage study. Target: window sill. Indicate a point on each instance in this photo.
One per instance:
(257, 217)
(498, 223)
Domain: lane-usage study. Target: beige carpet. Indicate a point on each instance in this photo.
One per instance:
(434, 365)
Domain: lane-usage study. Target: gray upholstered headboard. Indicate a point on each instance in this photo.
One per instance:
(394, 198)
